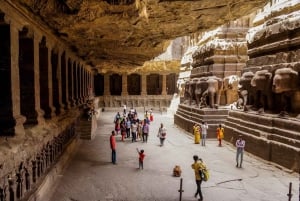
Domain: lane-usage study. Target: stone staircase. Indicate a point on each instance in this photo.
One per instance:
(186, 116)
(86, 128)
(267, 136)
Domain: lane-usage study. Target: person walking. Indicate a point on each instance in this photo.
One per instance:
(145, 131)
(128, 126)
(204, 128)
(112, 140)
(162, 133)
(141, 158)
(197, 166)
(220, 134)
(240, 145)
(196, 132)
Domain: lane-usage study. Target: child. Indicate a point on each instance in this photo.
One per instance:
(141, 158)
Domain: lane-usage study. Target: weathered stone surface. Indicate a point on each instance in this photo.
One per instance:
(119, 33)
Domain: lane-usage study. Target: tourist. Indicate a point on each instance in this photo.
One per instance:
(145, 131)
(117, 126)
(134, 127)
(151, 115)
(128, 126)
(124, 109)
(196, 132)
(139, 130)
(204, 128)
(197, 165)
(112, 140)
(240, 145)
(162, 132)
(220, 134)
(123, 129)
(141, 158)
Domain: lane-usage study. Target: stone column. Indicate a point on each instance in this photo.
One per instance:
(36, 48)
(124, 85)
(68, 106)
(15, 80)
(164, 84)
(106, 85)
(50, 83)
(61, 105)
(144, 85)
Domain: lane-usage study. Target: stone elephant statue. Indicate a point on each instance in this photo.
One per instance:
(192, 91)
(285, 83)
(245, 90)
(230, 88)
(186, 92)
(201, 87)
(262, 85)
(214, 87)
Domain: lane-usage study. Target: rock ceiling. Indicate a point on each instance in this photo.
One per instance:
(126, 33)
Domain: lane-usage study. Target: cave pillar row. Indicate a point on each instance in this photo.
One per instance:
(124, 84)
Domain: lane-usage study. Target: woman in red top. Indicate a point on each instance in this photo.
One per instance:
(141, 158)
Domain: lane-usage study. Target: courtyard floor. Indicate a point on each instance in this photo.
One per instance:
(90, 176)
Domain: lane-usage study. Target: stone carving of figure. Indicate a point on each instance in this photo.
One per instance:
(230, 87)
(285, 83)
(201, 86)
(262, 83)
(245, 90)
(213, 91)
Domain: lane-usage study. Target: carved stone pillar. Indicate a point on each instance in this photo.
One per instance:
(50, 82)
(106, 85)
(36, 56)
(164, 84)
(15, 81)
(60, 52)
(144, 85)
(68, 104)
(124, 85)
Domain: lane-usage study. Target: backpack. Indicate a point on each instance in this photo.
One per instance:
(203, 172)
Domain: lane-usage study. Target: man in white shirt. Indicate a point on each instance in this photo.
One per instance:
(240, 145)
(204, 128)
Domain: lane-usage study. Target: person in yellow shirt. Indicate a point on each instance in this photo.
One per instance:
(196, 132)
(220, 134)
(197, 165)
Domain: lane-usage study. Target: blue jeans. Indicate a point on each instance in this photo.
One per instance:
(239, 152)
(203, 139)
(113, 156)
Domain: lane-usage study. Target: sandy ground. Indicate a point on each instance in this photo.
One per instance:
(91, 176)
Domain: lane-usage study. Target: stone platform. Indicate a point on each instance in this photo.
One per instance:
(267, 136)
(186, 116)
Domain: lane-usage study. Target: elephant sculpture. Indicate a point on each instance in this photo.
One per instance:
(245, 90)
(187, 92)
(285, 83)
(192, 91)
(230, 87)
(201, 86)
(262, 84)
(214, 86)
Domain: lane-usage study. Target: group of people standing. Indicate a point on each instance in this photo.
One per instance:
(200, 133)
(129, 126)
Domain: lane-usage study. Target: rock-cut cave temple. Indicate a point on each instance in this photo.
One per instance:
(226, 62)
